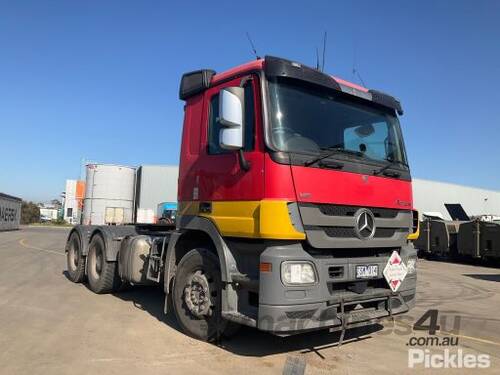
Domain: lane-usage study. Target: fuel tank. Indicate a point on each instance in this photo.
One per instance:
(133, 259)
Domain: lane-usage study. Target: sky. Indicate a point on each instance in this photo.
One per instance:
(98, 80)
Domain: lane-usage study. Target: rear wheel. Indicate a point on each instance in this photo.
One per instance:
(75, 259)
(102, 274)
(197, 296)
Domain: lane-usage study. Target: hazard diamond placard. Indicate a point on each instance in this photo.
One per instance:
(395, 271)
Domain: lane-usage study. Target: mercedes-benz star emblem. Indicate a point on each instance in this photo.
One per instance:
(365, 224)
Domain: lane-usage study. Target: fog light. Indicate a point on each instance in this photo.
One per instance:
(298, 273)
(411, 265)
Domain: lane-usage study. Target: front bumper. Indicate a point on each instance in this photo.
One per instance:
(333, 302)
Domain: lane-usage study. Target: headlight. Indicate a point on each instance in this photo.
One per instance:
(298, 273)
(411, 265)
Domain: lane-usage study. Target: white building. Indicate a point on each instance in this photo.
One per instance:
(430, 196)
(73, 201)
(48, 213)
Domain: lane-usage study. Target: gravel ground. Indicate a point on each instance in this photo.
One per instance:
(49, 325)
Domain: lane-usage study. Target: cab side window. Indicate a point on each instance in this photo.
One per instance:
(214, 126)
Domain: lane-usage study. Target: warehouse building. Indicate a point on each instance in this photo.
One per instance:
(10, 212)
(431, 196)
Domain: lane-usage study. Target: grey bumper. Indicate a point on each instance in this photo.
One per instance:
(333, 302)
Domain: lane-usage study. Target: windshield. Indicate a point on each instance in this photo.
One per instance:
(308, 120)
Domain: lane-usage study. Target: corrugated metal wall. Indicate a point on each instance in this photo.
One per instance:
(430, 196)
(10, 212)
(155, 184)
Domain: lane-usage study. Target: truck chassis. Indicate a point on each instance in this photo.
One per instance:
(201, 274)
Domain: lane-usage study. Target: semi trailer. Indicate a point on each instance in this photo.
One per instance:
(459, 239)
(463, 237)
(294, 212)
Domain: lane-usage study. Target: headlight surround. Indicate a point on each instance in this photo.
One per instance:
(411, 265)
(295, 273)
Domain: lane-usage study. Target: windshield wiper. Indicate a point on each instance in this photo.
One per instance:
(332, 151)
(392, 163)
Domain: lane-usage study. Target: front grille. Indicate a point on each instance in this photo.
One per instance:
(334, 210)
(334, 253)
(334, 226)
(385, 232)
(347, 232)
(339, 232)
(338, 210)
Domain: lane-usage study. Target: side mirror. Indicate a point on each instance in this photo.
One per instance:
(231, 110)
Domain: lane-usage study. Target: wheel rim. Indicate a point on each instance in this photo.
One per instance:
(96, 262)
(98, 266)
(73, 255)
(199, 294)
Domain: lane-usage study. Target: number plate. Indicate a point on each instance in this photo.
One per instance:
(367, 271)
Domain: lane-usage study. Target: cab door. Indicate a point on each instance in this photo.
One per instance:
(227, 192)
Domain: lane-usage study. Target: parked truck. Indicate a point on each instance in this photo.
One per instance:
(294, 208)
(166, 212)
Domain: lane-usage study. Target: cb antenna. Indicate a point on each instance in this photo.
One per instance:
(253, 46)
(355, 71)
(324, 48)
(317, 58)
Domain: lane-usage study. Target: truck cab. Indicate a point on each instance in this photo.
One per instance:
(294, 198)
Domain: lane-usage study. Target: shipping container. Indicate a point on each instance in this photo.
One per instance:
(10, 212)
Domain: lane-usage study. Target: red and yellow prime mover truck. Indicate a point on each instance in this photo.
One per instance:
(294, 208)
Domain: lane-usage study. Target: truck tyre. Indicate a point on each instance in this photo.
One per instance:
(196, 296)
(102, 275)
(74, 259)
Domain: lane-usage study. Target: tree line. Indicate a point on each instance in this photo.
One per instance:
(30, 213)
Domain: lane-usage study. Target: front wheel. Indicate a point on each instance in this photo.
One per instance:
(197, 296)
(102, 274)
